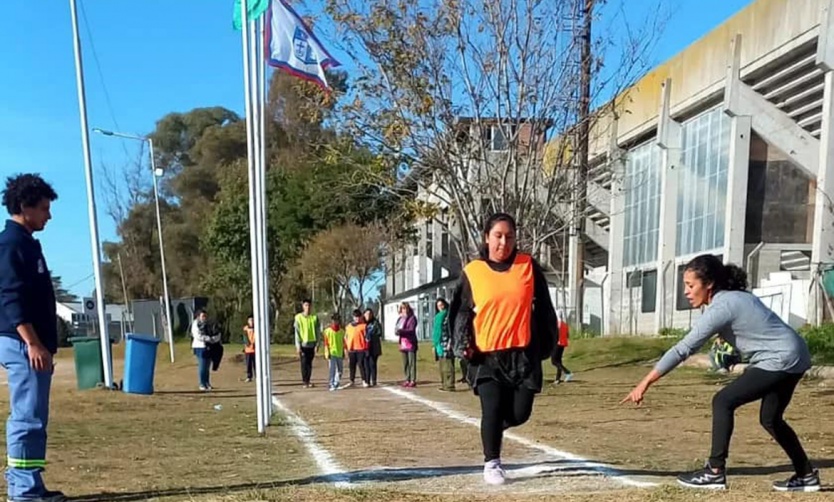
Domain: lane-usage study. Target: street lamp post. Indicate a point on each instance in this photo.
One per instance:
(155, 174)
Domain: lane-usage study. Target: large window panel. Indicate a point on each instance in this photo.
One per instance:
(642, 205)
(702, 193)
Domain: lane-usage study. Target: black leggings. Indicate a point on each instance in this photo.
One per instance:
(371, 364)
(775, 389)
(307, 356)
(502, 407)
(556, 361)
(357, 359)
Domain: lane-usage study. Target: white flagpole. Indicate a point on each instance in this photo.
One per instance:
(256, 137)
(261, 115)
(267, 318)
(107, 360)
(253, 195)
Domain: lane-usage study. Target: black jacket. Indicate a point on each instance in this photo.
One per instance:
(374, 335)
(513, 367)
(26, 294)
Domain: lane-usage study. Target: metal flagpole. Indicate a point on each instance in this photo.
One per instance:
(91, 202)
(267, 319)
(264, 225)
(256, 137)
(253, 240)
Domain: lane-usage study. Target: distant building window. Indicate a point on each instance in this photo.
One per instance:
(681, 302)
(648, 299)
(498, 137)
(642, 205)
(703, 183)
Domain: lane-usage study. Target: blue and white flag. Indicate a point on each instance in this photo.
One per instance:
(292, 47)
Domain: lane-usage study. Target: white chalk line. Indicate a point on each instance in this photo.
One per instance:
(547, 450)
(327, 464)
(332, 471)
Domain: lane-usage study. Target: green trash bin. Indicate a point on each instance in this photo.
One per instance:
(89, 370)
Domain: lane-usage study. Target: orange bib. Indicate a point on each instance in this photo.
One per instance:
(503, 304)
(355, 336)
(250, 335)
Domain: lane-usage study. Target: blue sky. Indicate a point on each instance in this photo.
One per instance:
(155, 57)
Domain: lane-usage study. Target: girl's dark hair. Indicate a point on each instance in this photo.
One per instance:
(371, 311)
(490, 223)
(26, 190)
(357, 313)
(709, 269)
(498, 218)
(443, 301)
(336, 318)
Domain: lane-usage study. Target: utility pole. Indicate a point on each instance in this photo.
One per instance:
(124, 292)
(581, 161)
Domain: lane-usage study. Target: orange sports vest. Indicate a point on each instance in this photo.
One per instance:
(250, 335)
(503, 304)
(355, 337)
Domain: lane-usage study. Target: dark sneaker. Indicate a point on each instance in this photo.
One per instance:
(704, 479)
(797, 483)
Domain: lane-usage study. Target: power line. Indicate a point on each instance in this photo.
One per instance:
(76, 283)
(107, 99)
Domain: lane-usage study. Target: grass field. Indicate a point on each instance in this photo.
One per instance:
(181, 444)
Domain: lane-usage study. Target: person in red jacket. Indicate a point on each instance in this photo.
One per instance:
(559, 351)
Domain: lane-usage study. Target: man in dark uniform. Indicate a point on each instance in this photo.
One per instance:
(28, 335)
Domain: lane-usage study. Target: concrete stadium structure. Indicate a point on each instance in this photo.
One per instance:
(727, 148)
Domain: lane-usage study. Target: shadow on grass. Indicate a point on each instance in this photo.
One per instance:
(561, 468)
(212, 392)
(766, 470)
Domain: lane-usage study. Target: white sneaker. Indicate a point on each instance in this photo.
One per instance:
(365, 384)
(568, 377)
(493, 473)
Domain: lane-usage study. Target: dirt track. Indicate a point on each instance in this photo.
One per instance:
(381, 437)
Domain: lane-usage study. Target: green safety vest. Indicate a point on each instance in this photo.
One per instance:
(306, 328)
(335, 341)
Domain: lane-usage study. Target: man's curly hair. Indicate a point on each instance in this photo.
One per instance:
(26, 190)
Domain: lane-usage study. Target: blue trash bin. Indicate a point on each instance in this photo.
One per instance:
(140, 361)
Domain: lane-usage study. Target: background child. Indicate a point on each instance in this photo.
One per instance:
(559, 351)
(334, 350)
(357, 347)
(722, 355)
(249, 348)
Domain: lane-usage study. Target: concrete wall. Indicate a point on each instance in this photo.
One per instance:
(780, 197)
(768, 27)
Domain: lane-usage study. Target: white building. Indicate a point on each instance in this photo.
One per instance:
(727, 148)
(83, 320)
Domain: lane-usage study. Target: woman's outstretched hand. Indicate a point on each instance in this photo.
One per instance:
(636, 395)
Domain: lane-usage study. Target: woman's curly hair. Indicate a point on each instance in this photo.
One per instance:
(26, 190)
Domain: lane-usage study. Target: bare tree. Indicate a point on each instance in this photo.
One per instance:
(344, 259)
(458, 99)
(125, 186)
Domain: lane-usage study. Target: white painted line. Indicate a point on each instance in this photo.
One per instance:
(328, 465)
(547, 450)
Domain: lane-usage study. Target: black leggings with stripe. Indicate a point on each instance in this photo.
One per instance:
(502, 407)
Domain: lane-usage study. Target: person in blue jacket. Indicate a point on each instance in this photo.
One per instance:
(28, 335)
